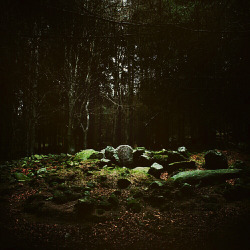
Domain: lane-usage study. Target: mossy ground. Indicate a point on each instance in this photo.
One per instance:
(167, 217)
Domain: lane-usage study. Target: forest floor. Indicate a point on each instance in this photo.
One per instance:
(40, 212)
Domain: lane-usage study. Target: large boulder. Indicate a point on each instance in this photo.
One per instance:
(111, 154)
(144, 161)
(215, 160)
(125, 154)
(104, 162)
(137, 153)
(206, 177)
(175, 166)
(156, 170)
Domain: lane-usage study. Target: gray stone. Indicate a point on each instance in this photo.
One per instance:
(104, 162)
(125, 154)
(156, 170)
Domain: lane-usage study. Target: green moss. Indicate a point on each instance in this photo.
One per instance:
(86, 154)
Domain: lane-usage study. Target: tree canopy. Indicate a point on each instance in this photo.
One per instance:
(90, 73)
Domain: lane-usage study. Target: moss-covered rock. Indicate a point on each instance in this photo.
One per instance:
(206, 177)
(156, 170)
(88, 154)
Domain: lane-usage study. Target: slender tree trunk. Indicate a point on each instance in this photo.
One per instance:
(86, 128)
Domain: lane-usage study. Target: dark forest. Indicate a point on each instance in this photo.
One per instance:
(84, 74)
(124, 99)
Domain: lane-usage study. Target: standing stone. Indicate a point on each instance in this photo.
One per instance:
(156, 170)
(215, 160)
(109, 152)
(125, 154)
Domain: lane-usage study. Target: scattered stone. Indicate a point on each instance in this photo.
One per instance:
(206, 177)
(109, 152)
(215, 160)
(156, 170)
(123, 183)
(125, 154)
(137, 153)
(104, 162)
(41, 171)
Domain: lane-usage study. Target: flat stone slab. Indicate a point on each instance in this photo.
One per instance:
(207, 177)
